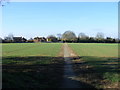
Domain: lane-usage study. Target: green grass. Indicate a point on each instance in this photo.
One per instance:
(30, 49)
(98, 50)
(113, 77)
(29, 53)
(35, 65)
(25, 53)
(38, 64)
(102, 60)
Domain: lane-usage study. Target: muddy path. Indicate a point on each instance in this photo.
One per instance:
(68, 71)
(69, 78)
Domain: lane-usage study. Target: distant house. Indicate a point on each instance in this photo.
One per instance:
(52, 39)
(19, 39)
(49, 40)
(40, 39)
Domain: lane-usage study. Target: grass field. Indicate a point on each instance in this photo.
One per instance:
(100, 64)
(40, 65)
(35, 65)
(98, 50)
(31, 49)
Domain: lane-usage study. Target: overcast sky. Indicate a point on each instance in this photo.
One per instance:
(30, 19)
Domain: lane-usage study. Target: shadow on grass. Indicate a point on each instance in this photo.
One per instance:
(97, 71)
(34, 72)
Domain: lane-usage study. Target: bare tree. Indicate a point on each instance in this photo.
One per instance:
(69, 35)
(59, 36)
(100, 35)
(82, 35)
(11, 36)
(49, 36)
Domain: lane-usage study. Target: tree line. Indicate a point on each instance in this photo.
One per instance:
(67, 36)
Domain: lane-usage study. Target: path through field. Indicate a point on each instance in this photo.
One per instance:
(69, 79)
(68, 71)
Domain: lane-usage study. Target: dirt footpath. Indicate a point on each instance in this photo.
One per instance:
(69, 78)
